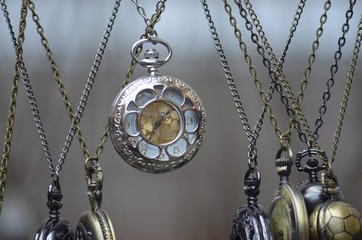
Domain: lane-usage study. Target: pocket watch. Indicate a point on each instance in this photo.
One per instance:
(94, 224)
(288, 213)
(312, 188)
(54, 227)
(250, 221)
(157, 122)
(334, 219)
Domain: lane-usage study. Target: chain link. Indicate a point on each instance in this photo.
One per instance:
(12, 106)
(88, 87)
(347, 88)
(333, 69)
(266, 61)
(312, 136)
(278, 70)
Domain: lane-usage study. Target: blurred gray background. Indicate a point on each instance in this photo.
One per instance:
(198, 200)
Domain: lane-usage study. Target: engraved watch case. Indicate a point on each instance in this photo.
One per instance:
(250, 221)
(288, 213)
(157, 123)
(54, 227)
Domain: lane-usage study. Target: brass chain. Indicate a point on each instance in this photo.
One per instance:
(283, 136)
(75, 117)
(57, 77)
(12, 106)
(282, 78)
(296, 101)
(347, 88)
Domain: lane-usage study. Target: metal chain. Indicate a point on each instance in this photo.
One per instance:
(75, 118)
(282, 78)
(296, 102)
(282, 136)
(228, 75)
(12, 106)
(57, 77)
(88, 87)
(149, 31)
(347, 88)
(266, 61)
(333, 69)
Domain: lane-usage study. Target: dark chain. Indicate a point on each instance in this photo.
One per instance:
(347, 89)
(333, 69)
(266, 62)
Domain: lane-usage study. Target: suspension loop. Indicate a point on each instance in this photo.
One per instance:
(152, 59)
(252, 181)
(94, 177)
(284, 140)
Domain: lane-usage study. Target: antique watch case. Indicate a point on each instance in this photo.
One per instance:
(288, 213)
(54, 227)
(250, 221)
(312, 188)
(157, 122)
(334, 219)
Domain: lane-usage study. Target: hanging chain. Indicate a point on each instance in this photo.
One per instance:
(347, 88)
(266, 61)
(282, 136)
(296, 101)
(334, 69)
(88, 87)
(12, 106)
(297, 110)
(149, 31)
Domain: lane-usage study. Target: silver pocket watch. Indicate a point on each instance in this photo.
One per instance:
(157, 122)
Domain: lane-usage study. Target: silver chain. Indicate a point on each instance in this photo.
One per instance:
(90, 81)
(91, 78)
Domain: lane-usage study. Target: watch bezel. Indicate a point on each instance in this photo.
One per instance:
(127, 148)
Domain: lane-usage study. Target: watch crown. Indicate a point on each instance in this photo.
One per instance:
(151, 54)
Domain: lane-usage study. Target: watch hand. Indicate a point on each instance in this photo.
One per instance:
(163, 116)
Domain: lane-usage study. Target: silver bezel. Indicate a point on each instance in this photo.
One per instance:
(127, 145)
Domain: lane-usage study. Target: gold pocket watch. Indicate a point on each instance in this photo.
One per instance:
(334, 219)
(94, 224)
(288, 213)
(157, 122)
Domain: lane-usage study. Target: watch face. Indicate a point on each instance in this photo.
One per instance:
(280, 218)
(157, 123)
(288, 214)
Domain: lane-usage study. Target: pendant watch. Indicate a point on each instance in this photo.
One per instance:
(288, 213)
(157, 122)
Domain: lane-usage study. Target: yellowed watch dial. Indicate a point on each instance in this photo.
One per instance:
(280, 219)
(160, 122)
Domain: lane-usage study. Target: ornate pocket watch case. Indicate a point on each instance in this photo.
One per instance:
(333, 219)
(95, 225)
(250, 221)
(288, 213)
(54, 227)
(312, 188)
(157, 122)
